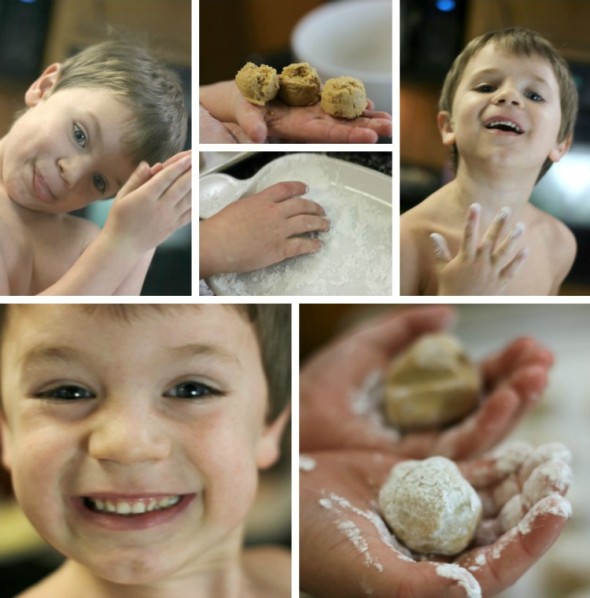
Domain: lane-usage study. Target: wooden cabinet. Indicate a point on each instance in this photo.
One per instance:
(164, 24)
(233, 30)
(563, 23)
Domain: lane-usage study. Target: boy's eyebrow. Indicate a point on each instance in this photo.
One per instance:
(52, 353)
(493, 71)
(46, 353)
(197, 350)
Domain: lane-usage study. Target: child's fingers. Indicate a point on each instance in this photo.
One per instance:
(295, 246)
(306, 223)
(138, 177)
(492, 235)
(285, 190)
(514, 266)
(504, 254)
(251, 120)
(440, 248)
(161, 182)
(470, 238)
(296, 206)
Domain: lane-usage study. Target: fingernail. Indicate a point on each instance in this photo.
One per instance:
(518, 230)
(504, 213)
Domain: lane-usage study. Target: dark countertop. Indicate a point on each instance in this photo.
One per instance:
(380, 161)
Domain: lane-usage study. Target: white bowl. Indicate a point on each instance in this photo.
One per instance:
(351, 37)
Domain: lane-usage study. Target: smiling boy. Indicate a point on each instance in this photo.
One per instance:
(136, 455)
(507, 109)
(91, 127)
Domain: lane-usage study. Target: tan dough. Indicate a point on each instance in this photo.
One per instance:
(432, 384)
(430, 507)
(299, 85)
(258, 84)
(344, 97)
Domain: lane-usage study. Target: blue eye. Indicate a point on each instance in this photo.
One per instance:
(534, 96)
(191, 390)
(66, 392)
(99, 183)
(80, 136)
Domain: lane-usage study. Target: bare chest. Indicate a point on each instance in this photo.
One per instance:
(36, 253)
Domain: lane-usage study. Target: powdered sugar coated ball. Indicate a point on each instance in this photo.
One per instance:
(430, 507)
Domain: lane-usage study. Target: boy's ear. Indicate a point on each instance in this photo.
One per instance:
(267, 449)
(445, 126)
(4, 452)
(43, 86)
(561, 149)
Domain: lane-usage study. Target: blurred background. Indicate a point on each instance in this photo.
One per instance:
(432, 33)
(337, 37)
(35, 33)
(562, 415)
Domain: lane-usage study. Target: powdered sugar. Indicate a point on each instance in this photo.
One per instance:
(356, 255)
(367, 401)
(306, 463)
(462, 576)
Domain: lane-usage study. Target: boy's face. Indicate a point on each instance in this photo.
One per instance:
(506, 111)
(65, 151)
(164, 407)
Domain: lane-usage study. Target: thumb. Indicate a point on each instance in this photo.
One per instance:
(138, 177)
(251, 120)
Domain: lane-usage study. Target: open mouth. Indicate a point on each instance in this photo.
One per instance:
(504, 125)
(130, 508)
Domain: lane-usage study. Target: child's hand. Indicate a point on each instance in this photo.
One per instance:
(152, 204)
(346, 550)
(261, 230)
(479, 268)
(333, 380)
(310, 124)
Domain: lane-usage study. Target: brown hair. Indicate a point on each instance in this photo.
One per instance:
(272, 327)
(520, 42)
(152, 92)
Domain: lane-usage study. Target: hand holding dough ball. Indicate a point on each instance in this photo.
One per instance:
(432, 384)
(430, 507)
(299, 85)
(258, 84)
(344, 97)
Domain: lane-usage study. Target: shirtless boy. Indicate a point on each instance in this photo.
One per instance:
(91, 128)
(136, 455)
(507, 109)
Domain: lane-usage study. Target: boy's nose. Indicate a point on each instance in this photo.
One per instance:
(507, 95)
(71, 170)
(126, 438)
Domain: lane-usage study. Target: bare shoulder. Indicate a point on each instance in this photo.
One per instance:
(269, 570)
(416, 257)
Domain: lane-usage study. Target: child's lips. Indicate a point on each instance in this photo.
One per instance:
(504, 124)
(42, 189)
(120, 512)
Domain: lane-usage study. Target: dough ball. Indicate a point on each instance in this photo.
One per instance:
(258, 84)
(432, 384)
(344, 97)
(299, 85)
(430, 507)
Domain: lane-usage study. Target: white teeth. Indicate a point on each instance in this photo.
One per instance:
(504, 123)
(136, 507)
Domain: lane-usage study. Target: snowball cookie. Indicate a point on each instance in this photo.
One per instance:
(432, 384)
(258, 84)
(344, 97)
(299, 85)
(430, 506)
